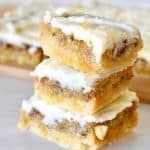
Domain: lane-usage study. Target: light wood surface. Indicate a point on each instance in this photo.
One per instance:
(141, 85)
(15, 72)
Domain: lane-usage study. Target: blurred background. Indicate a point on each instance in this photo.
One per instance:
(119, 2)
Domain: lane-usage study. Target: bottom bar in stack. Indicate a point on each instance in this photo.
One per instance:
(77, 131)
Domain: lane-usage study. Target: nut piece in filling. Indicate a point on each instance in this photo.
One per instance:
(89, 43)
(80, 131)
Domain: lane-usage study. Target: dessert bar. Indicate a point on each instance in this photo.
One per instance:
(75, 131)
(76, 91)
(89, 43)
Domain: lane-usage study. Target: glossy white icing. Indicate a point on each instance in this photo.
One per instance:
(52, 113)
(100, 34)
(69, 77)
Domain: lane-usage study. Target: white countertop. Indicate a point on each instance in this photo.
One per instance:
(13, 91)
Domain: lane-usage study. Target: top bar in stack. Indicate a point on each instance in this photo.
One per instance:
(89, 43)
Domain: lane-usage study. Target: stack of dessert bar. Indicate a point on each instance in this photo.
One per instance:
(19, 33)
(81, 98)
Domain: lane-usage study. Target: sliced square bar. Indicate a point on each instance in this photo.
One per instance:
(89, 43)
(76, 91)
(19, 33)
(75, 131)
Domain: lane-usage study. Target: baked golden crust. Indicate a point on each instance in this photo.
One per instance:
(19, 56)
(103, 92)
(77, 54)
(117, 127)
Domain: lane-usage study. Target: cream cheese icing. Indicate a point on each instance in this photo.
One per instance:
(15, 27)
(67, 76)
(53, 114)
(22, 26)
(99, 33)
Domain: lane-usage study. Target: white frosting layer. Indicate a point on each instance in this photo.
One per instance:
(22, 26)
(53, 114)
(67, 76)
(99, 33)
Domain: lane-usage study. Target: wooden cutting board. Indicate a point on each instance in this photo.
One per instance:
(141, 85)
(16, 72)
